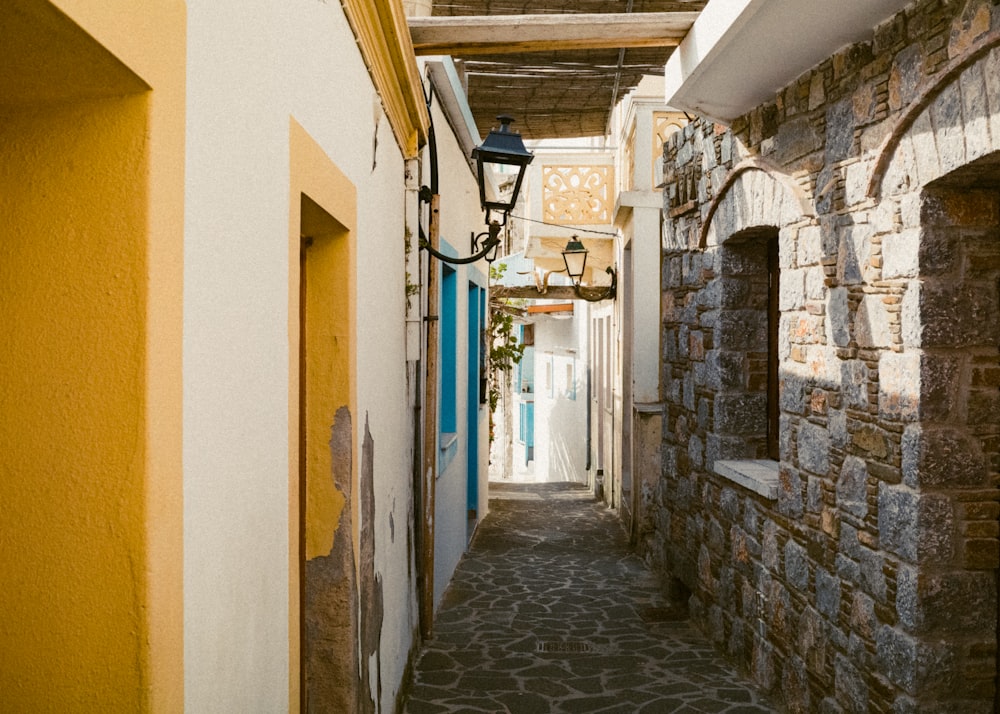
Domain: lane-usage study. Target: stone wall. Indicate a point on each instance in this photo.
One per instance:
(857, 572)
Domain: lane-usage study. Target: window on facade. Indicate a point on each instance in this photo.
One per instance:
(747, 409)
(449, 349)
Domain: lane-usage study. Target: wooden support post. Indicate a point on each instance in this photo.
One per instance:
(430, 441)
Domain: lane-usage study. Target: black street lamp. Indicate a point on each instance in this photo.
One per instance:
(502, 148)
(575, 258)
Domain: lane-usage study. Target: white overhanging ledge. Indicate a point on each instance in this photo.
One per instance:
(740, 53)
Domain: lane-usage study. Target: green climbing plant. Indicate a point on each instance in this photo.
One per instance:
(505, 352)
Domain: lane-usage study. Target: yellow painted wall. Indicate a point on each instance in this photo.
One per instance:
(73, 276)
(91, 194)
(322, 206)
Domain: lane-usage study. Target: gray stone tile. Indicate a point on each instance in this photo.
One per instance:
(550, 612)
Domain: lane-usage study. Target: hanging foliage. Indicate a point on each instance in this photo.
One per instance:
(505, 350)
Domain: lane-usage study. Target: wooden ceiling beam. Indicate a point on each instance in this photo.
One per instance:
(505, 34)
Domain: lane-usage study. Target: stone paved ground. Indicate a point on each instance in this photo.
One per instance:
(548, 612)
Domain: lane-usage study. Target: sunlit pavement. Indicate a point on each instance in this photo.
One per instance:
(549, 612)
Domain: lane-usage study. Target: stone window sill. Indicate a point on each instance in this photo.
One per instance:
(758, 475)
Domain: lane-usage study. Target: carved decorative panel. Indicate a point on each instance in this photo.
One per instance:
(578, 195)
(665, 124)
(628, 180)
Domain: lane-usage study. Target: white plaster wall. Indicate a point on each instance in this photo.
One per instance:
(460, 214)
(252, 66)
(560, 421)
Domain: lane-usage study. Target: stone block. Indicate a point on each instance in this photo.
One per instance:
(729, 504)
(848, 570)
(942, 456)
(940, 386)
(982, 553)
(696, 452)
(719, 447)
(815, 287)
(762, 665)
(814, 449)
(795, 685)
(946, 114)
(913, 664)
(837, 425)
(828, 594)
(743, 330)
(900, 254)
(991, 73)
(983, 407)
(853, 254)
(704, 414)
(829, 705)
(946, 603)
(689, 392)
(840, 125)
(949, 209)
(716, 630)
(852, 487)
(740, 413)
(691, 268)
(817, 91)
(751, 517)
(917, 527)
(904, 77)
(871, 440)
(849, 683)
(809, 246)
(838, 317)
(736, 646)
(770, 551)
(975, 112)
(872, 323)
(937, 250)
(850, 540)
(792, 393)
(796, 566)
(864, 618)
(957, 315)
(899, 386)
(873, 579)
(911, 320)
(856, 177)
(790, 493)
(924, 150)
(796, 139)
(792, 290)
(814, 493)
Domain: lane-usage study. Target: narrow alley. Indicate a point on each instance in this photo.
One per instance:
(549, 612)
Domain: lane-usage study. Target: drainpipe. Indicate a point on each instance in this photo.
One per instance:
(415, 358)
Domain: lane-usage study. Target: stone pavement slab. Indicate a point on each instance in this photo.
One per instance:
(549, 612)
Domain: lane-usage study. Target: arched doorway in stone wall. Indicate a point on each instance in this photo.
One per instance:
(945, 149)
(954, 448)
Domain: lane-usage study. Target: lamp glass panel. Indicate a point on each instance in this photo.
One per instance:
(576, 262)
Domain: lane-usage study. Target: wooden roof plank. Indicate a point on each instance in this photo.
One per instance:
(503, 34)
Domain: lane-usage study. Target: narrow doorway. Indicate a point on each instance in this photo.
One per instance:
(328, 603)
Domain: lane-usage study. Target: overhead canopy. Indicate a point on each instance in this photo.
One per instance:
(563, 87)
